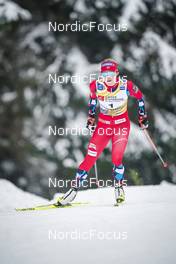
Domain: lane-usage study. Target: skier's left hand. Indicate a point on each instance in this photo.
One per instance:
(143, 121)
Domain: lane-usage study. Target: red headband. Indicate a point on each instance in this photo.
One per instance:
(109, 65)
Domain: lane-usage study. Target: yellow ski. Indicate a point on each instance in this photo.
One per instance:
(50, 206)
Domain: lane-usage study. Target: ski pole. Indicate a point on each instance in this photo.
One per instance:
(165, 165)
(96, 173)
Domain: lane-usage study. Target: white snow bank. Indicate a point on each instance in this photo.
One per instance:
(12, 197)
(135, 195)
(140, 231)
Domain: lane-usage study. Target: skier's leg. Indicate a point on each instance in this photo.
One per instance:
(96, 145)
(118, 174)
(119, 142)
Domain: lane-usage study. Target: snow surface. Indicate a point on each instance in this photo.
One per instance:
(144, 228)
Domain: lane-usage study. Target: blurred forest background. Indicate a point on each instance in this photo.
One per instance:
(29, 104)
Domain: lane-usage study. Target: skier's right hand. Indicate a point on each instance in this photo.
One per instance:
(91, 124)
(143, 121)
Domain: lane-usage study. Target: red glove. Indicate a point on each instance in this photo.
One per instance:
(91, 124)
(143, 121)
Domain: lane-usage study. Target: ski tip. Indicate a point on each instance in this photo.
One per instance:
(24, 209)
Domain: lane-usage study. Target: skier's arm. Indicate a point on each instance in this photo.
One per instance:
(93, 99)
(92, 105)
(134, 91)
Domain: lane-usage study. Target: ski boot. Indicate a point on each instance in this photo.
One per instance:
(118, 174)
(69, 196)
(119, 194)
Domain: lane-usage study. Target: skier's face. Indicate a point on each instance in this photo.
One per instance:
(109, 77)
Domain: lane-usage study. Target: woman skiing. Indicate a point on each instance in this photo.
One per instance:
(112, 92)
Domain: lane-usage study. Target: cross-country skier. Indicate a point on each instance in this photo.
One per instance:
(112, 92)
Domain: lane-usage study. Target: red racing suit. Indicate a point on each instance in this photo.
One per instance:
(113, 121)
